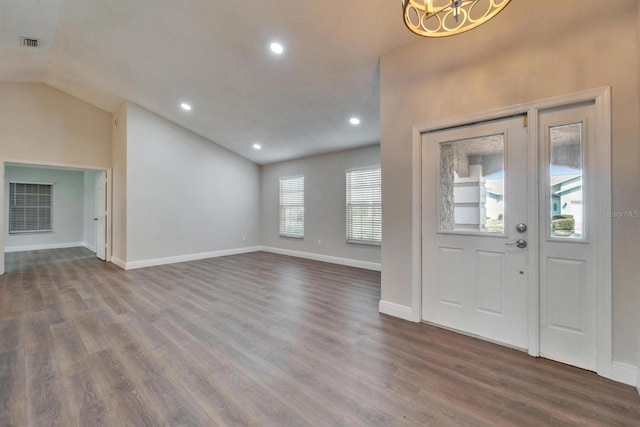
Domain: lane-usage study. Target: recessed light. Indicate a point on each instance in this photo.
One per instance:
(257, 146)
(276, 48)
(354, 121)
(185, 106)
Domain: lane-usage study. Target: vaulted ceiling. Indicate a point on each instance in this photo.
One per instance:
(214, 54)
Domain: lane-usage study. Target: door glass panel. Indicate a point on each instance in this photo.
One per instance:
(566, 176)
(472, 183)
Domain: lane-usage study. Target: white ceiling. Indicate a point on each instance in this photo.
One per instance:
(215, 55)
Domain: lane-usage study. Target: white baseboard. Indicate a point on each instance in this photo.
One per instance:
(193, 257)
(131, 265)
(375, 266)
(43, 247)
(397, 310)
(625, 373)
(88, 246)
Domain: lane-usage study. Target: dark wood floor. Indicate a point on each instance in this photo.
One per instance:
(259, 339)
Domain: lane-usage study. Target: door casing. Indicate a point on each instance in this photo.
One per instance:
(602, 102)
(100, 218)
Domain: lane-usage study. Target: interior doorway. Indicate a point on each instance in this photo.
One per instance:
(47, 207)
(514, 247)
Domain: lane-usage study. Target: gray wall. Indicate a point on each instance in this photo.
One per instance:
(325, 198)
(68, 206)
(521, 55)
(185, 195)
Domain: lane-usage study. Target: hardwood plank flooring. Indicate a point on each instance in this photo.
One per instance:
(263, 340)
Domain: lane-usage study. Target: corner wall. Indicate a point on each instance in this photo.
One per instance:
(186, 197)
(325, 210)
(524, 54)
(119, 190)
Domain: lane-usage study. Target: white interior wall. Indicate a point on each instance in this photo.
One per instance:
(89, 210)
(325, 199)
(184, 195)
(67, 212)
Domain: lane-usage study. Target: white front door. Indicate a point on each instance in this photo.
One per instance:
(100, 215)
(474, 195)
(568, 234)
(553, 295)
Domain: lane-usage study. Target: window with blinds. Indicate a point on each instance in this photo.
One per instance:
(292, 207)
(30, 207)
(364, 206)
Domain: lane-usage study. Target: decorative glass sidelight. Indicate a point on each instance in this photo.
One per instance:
(566, 181)
(472, 185)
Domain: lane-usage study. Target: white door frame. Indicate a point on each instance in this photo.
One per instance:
(6, 162)
(602, 99)
(100, 216)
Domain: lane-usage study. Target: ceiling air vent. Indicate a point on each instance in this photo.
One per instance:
(29, 42)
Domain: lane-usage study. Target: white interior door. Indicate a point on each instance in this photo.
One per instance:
(100, 215)
(568, 211)
(474, 195)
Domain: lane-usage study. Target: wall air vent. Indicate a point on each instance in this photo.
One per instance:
(29, 42)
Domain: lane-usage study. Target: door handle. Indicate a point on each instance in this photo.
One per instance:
(521, 243)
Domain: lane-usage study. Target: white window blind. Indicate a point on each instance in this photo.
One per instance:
(30, 207)
(364, 206)
(292, 206)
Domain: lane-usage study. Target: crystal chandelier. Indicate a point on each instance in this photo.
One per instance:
(440, 18)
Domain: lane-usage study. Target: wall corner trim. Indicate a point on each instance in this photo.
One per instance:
(625, 373)
(119, 262)
(399, 311)
(366, 265)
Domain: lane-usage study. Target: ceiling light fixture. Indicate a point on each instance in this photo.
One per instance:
(276, 48)
(441, 18)
(354, 121)
(185, 106)
(257, 146)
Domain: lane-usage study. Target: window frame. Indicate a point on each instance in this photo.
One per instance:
(12, 197)
(284, 226)
(348, 204)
